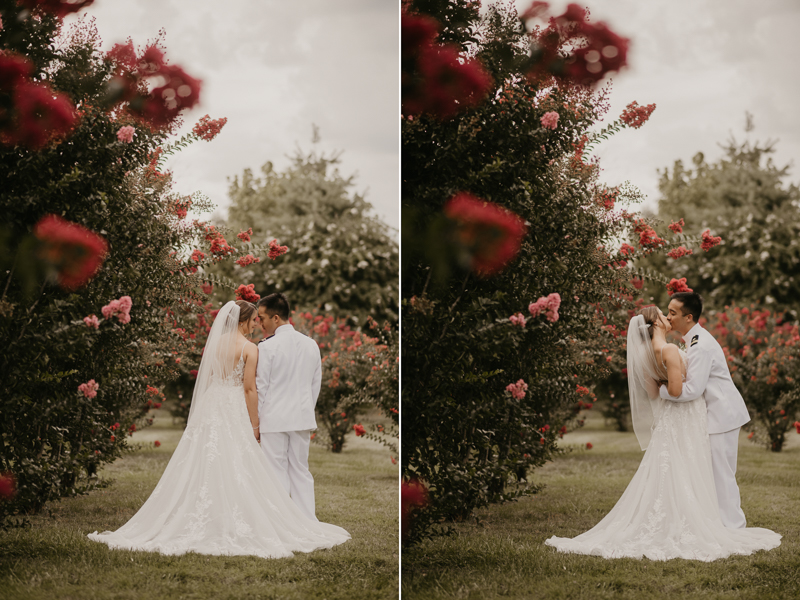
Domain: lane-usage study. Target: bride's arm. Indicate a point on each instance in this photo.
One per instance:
(250, 393)
(672, 358)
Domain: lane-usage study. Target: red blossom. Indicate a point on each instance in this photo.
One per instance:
(207, 288)
(413, 495)
(75, 251)
(245, 235)
(359, 429)
(627, 250)
(635, 116)
(678, 285)
(220, 247)
(59, 8)
(677, 227)
(797, 426)
(40, 115)
(589, 445)
(8, 485)
(207, 130)
(678, 252)
(246, 292)
(276, 250)
(488, 234)
(709, 241)
(157, 444)
(648, 238)
(247, 260)
(605, 51)
(197, 255)
(193, 373)
(607, 198)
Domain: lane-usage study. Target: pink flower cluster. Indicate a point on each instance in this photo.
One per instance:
(276, 250)
(518, 389)
(678, 252)
(91, 321)
(547, 304)
(125, 134)
(517, 319)
(89, 389)
(635, 116)
(208, 129)
(245, 235)
(119, 308)
(677, 227)
(709, 241)
(247, 260)
(550, 120)
(678, 285)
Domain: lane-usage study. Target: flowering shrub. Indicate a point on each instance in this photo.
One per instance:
(763, 352)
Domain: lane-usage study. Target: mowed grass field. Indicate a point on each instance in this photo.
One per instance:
(357, 490)
(504, 556)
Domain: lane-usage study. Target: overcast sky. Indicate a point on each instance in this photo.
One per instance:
(704, 63)
(274, 67)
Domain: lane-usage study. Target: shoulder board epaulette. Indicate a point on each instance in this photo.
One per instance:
(694, 341)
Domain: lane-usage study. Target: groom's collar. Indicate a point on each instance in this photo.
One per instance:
(693, 331)
(285, 328)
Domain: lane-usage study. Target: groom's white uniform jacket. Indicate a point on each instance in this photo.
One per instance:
(288, 380)
(707, 373)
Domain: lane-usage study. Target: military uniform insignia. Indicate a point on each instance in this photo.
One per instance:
(695, 339)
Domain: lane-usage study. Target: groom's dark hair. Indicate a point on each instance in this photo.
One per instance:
(276, 304)
(692, 303)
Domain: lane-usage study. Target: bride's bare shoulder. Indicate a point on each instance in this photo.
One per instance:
(670, 351)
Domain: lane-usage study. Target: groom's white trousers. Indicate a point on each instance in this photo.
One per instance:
(287, 452)
(724, 450)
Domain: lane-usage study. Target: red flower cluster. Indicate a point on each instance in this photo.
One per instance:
(678, 285)
(59, 8)
(246, 292)
(488, 234)
(181, 206)
(436, 79)
(637, 283)
(635, 116)
(413, 494)
(607, 198)
(709, 241)
(247, 260)
(161, 105)
(648, 238)
(89, 389)
(220, 247)
(678, 252)
(627, 250)
(207, 130)
(245, 235)
(74, 251)
(600, 49)
(677, 227)
(8, 486)
(197, 255)
(797, 426)
(276, 250)
(589, 445)
(33, 113)
(359, 429)
(157, 444)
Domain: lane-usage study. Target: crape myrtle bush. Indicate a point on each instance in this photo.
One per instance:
(83, 357)
(487, 391)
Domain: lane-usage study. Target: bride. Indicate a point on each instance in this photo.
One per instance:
(219, 494)
(669, 509)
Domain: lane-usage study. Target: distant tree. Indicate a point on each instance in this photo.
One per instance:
(744, 198)
(342, 258)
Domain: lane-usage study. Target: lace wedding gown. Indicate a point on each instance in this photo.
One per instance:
(219, 495)
(669, 509)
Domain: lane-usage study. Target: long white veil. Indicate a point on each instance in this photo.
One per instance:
(643, 379)
(219, 356)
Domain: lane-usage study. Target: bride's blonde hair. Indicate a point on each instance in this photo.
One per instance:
(651, 317)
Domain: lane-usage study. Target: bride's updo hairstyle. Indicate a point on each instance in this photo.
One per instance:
(246, 310)
(651, 317)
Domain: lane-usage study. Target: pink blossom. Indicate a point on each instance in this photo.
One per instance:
(547, 304)
(125, 134)
(91, 321)
(119, 308)
(89, 389)
(550, 120)
(518, 389)
(517, 319)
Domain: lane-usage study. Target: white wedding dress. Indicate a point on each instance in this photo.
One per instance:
(669, 509)
(219, 494)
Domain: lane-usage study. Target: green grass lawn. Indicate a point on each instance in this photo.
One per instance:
(357, 489)
(504, 555)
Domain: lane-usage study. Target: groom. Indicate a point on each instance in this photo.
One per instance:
(707, 373)
(288, 379)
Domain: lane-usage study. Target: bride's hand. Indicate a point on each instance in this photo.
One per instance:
(257, 432)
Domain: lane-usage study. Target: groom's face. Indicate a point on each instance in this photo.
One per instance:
(268, 323)
(680, 322)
